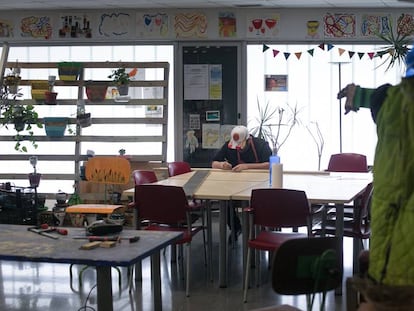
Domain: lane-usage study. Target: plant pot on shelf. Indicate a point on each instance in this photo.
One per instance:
(123, 89)
(50, 98)
(69, 71)
(96, 92)
(55, 126)
(34, 179)
(84, 120)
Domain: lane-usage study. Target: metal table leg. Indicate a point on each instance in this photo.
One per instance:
(104, 288)
(156, 281)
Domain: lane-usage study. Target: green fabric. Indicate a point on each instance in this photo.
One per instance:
(391, 245)
(362, 98)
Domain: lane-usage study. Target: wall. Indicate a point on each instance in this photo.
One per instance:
(288, 25)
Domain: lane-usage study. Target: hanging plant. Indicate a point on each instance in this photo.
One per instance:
(398, 46)
(22, 117)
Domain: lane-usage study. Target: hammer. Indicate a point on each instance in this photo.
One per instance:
(42, 232)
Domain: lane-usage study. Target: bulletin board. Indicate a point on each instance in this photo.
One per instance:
(210, 100)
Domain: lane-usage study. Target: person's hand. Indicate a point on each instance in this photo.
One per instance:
(240, 167)
(226, 165)
(348, 92)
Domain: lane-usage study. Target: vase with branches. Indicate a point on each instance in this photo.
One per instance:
(275, 124)
(315, 132)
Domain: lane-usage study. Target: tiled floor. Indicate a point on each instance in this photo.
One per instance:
(41, 287)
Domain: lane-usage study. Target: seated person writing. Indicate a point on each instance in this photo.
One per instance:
(242, 152)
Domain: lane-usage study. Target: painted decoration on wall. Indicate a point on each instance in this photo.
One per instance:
(38, 27)
(225, 132)
(211, 136)
(190, 25)
(75, 26)
(276, 83)
(227, 24)
(114, 24)
(6, 28)
(191, 141)
(312, 29)
(405, 24)
(339, 25)
(263, 26)
(153, 24)
(374, 24)
(216, 82)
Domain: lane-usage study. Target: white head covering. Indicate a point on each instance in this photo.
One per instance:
(238, 135)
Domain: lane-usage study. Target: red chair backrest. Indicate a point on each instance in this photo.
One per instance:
(275, 207)
(144, 177)
(362, 211)
(348, 162)
(161, 204)
(178, 168)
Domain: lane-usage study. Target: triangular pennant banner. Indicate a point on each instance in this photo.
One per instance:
(371, 55)
(311, 52)
(350, 53)
(322, 46)
(330, 47)
(286, 55)
(360, 55)
(298, 55)
(275, 52)
(265, 47)
(341, 51)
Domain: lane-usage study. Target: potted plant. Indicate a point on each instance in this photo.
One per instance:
(22, 117)
(121, 79)
(96, 90)
(275, 124)
(34, 178)
(12, 80)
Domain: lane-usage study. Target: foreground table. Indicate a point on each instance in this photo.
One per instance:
(19, 244)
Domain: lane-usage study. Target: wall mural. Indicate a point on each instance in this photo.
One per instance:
(227, 25)
(114, 24)
(263, 26)
(38, 27)
(339, 25)
(153, 24)
(200, 25)
(190, 25)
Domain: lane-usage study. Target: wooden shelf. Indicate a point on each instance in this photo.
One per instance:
(79, 138)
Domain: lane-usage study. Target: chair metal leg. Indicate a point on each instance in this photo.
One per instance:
(188, 258)
(257, 267)
(246, 275)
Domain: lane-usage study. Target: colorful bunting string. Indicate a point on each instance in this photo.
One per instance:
(326, 47)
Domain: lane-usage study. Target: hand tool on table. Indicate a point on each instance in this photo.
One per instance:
(40, 231)
(46, 228)
(93, 238)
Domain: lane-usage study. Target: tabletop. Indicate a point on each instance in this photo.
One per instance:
(19, 244)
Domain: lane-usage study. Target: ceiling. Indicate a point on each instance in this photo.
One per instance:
(180, 4)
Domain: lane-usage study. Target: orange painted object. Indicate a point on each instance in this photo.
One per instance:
(95, 209)
(108, 170)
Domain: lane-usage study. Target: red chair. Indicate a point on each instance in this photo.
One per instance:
(178, 168)
(144, 177)
(356, 226)
(197, 206)
(269, 209)
(160, 205)
(348, 162)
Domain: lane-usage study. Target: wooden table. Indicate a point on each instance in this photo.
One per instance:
(227, 186)
(19, 244)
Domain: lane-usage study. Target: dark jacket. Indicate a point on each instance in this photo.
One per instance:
(256, 151)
